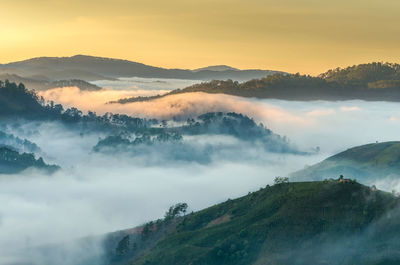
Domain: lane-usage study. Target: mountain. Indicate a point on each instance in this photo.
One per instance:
(12, 162)
(91, 68)
(373, 81)
(327, 222)
(366, 163)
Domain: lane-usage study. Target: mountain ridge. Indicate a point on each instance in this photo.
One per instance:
(90, 68)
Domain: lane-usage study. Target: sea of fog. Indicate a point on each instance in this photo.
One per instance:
(95, 193)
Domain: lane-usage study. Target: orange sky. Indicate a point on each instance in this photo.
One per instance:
(307, 36)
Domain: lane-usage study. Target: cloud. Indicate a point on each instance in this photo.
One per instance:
(307, 124)
(96, 193)
(183, 105)
(320, 112)
(91, 100)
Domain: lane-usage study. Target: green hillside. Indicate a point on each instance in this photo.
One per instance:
(289, 223)
(365, 163)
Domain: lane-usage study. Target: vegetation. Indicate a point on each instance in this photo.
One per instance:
(373, 81)
(9, 140)
(134, 242)
(366, 163)
(12, 162)
(16, 100)
(329, 222)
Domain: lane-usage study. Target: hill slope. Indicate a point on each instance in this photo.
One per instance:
(288, 223)
(365, 163)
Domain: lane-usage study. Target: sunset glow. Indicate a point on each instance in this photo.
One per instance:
(305, 36)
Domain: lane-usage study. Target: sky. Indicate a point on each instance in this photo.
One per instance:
(306, 36)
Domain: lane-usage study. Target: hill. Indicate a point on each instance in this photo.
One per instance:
(91, 68)
(373, 81)
(289, 223)
(366, 163)
(12, 162)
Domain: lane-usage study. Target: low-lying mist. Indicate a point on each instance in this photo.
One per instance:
(95, 193)
(333, 126)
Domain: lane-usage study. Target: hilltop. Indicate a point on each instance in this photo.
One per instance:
(325, 222)
(366, 163)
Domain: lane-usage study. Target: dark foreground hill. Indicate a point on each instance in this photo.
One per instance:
(373, 82)
(366, 163)
(327, 222)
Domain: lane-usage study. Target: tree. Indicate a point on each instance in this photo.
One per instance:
(280, 180)
(123, 246)
(175, 210)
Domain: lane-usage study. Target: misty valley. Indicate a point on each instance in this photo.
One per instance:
(112, 162)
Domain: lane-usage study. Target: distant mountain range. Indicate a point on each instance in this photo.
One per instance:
(89, 68)
(367, 163)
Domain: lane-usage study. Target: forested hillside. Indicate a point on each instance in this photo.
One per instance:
(329, 222)
(12, 162)
(373, 81)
